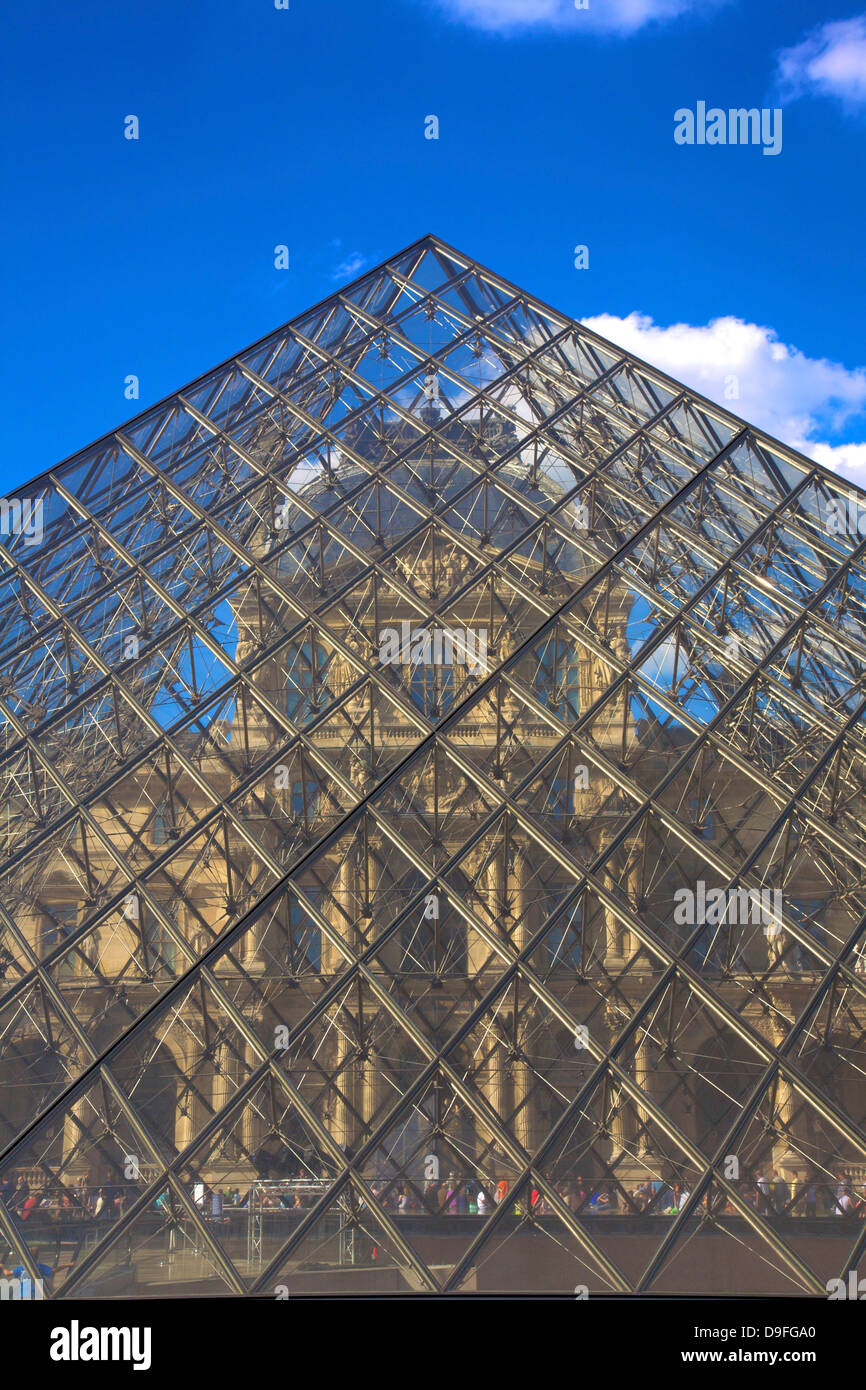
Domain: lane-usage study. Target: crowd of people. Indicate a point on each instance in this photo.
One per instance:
(57, 1200)
(766, 1191)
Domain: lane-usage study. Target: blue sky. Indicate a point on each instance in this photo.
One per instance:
(305, 127)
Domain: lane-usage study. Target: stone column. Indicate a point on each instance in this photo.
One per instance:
(633, 884)
(251, 1122)
(478, 953)
(613, 932)
(525, 1102)
(75, 1150)
(185, 1123)
(788, 1152)
(372, 1086)
(341, 911)
(618, 1134)
(643, 1075)
(221, 1088)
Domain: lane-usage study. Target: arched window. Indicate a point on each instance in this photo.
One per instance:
(557, 678)
(60, 923)
(701, 819)
(161, 822)
(562, 946)
(306, 681)
(305, 800)
(304, 947)
(160, 947)
(810, 913)
(431, 688)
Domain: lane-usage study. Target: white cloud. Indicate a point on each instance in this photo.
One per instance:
(830, 62)
(351, 266)
(600, 16)
(806, 402)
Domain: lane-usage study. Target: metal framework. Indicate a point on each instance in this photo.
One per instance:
(433, 773)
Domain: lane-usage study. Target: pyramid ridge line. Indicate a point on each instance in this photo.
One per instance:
(762, 437)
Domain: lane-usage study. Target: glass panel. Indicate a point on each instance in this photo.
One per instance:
(432, 799)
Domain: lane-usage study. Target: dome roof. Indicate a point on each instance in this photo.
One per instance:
(431, 486)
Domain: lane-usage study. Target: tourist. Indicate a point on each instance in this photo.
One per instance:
(20, 1193)
(845, 1205)
(27, 1206)
(19, 1272)
(451, 1193)
(579, 1195)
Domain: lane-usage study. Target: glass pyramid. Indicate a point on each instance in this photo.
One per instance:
(433, 784)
